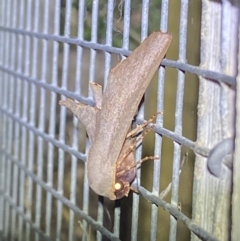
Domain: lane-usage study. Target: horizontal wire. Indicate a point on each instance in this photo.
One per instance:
(44, 135)
(200, 232)
(20, 211)
(212, 75)
(50, 87)
(160, 130)
(203, 151)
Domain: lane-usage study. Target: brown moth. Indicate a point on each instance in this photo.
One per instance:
(110, 164)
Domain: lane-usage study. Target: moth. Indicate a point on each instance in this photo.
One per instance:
(110, 164)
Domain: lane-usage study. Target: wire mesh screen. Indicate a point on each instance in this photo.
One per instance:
(52, 49)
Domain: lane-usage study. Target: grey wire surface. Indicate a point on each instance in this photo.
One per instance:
(200, 232)
(212, 75)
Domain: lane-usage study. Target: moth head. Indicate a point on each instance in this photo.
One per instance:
(125, 171)
(121, 189)
(123, 182)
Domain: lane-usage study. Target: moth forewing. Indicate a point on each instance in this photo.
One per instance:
(127, 82)
(114, 111)
(126, 85)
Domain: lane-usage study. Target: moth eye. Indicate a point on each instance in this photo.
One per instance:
(118, 186)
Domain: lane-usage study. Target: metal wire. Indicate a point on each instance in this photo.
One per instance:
(159, 121)
(58, 195)
(92, 74)
(200, 232)
(212, 75)
(52, 122)
(215, 159)
(32, 119)
(178, 114)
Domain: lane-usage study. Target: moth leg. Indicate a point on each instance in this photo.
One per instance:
(146, 158)
(138, 163)
(130, 145)
(140, 138)
(134, 189)
(139, 128)
(134, 143)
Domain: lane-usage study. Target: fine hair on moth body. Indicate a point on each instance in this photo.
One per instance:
(111, 167)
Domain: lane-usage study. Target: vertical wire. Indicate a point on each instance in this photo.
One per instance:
(52, 117)
(91, 78)
(16, 129)
(2, 121)
(63, 116)
(85, 178)
(81, 18)
(78, 80)
(74, 160)
(94, 38)
(125, 45)
(17, 101)
(24, 94)
(178, 114)
(126, 36)
(159, 121)
(138, 155)
(9, 90)
(35, 75)
(32, 113)
(41, 121)
(20, 97)
(110, 11)
(126, 24)
(13, 145)
(24, 116)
